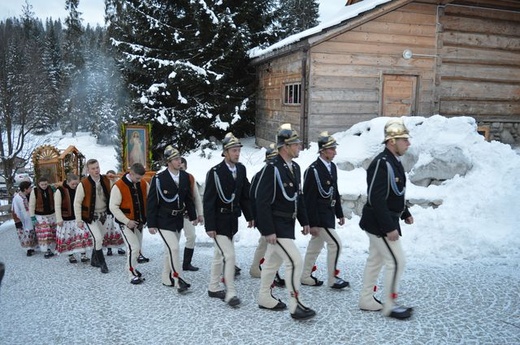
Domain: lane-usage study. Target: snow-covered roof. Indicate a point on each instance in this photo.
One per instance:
(344, 14)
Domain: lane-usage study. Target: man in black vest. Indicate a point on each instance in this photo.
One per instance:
(280, 201)
(323, 202)
(385, 205)
(128, 198)
(169, 198)
(226, 196)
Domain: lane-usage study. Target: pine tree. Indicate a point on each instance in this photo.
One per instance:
(74, 76)
(186, 64)
(297, 15)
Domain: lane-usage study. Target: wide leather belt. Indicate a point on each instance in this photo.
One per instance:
(174, 212)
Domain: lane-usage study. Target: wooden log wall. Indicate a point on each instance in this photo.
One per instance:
(480, 72)
(270, 110)
(346, 73)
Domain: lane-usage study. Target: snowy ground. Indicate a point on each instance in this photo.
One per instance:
(54, 302)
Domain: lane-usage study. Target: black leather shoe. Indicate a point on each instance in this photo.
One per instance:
(340, 284)
(183, 286)
(48, 255)
(109, 252)
(104, 268)
(121, 251)
(316, 282)
(141, 259)
(237, 270)
(303, 314)
(217, 294)
(136, 280)
(189, 267)
(234, 301)
(401, 313)
(30, 252)
(278, 307)
(84, 258)
(72, 259)
(279, 282)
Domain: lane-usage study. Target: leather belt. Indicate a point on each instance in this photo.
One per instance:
(174, 212)
(225, 210)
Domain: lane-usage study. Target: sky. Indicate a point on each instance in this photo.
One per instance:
(93, 10)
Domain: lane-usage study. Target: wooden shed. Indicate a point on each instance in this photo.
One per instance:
(395, 58)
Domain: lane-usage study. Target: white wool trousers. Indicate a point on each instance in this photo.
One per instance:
(329, 236)
(98, 231)
(383, 252)
(284, 251)
(260, 251)
(172, 268)
(189, 232)
(223, 264)
(134, 241)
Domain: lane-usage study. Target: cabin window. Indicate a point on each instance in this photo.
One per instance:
(292, 93)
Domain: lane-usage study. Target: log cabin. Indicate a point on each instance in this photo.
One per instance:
(395, 58)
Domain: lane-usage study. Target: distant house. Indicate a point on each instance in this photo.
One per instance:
(394, 58)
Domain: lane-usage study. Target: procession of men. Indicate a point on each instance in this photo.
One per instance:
(281, 192)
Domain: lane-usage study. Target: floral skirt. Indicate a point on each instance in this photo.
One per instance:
(113, 236)
(71, 239)
(27, 238)
(46, 231)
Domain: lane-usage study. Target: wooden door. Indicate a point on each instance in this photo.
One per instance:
(399, 95)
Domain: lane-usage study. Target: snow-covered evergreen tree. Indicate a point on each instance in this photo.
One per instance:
(74, 76)
(186, 64)
(297, 15)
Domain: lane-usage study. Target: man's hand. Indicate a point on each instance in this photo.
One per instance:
(132, 224)
(306, 229)
(409, 220)
(211, 234)
(271, 239)
(251, 224)
(393, 235)
(80, 224)
(152, 230)
(341, 221)
(200, 219)
(59, 223)
(314, 230)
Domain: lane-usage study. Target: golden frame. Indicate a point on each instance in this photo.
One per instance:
(136, 145)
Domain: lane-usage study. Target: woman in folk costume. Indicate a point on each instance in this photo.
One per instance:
(70, 238)
(41, 209)
(22, 218)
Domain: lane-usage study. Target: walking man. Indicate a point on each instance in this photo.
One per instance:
(128, 205)
(169, 198)
(91, 209)
(226, 196)
(323, 202)
(279, 200)
(259, 256)
(385, 205)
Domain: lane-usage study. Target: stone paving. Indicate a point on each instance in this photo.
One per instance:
(54, 302)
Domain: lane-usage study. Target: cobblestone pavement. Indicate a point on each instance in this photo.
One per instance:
(54, 302)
